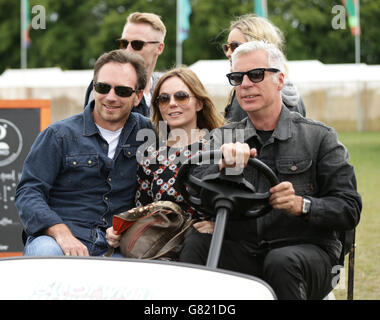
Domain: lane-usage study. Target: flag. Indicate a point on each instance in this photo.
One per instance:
(26, 25)
(260, 8)
(353, 19)
(184, 19)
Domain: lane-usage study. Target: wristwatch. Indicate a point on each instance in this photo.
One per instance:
(306, 206)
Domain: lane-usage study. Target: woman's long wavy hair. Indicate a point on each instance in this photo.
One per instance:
(208, 118)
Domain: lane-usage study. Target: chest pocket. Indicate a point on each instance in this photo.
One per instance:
(297, 171)
(83, 170)
(130, 151)
(127, 163)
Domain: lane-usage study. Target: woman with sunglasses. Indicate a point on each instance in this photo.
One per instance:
(183, 115)
(253, 28)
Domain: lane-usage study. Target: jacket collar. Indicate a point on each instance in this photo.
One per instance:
(281, 132)
(89, 127)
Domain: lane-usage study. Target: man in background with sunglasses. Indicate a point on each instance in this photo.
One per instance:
(82, 170)
(296, 246)
(143, 34)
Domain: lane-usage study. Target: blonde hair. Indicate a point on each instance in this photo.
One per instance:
(276, 58)
(256, 28)
(208, 118)
(149, 18)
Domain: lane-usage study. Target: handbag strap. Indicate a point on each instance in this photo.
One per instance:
(173, 242)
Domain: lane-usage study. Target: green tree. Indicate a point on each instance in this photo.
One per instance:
(69, 27)
(209, 28)
(77, 32)
(9, 34)
(309, 34)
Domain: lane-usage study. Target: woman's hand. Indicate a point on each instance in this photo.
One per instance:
(204, 227)
(112, 238)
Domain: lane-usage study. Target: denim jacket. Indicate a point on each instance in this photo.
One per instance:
(68, 177)
(309, 155)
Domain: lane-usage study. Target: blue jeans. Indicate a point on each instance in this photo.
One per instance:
(47, 246)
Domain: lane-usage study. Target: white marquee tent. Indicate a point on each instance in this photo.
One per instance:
(211, 72)
(339, 81)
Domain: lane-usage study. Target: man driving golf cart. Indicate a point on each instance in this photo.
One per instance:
(295, 245)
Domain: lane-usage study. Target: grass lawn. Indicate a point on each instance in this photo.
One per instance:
(364, 149)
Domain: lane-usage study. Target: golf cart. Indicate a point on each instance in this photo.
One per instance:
(222, 196)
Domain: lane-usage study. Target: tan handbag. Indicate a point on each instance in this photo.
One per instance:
(154, 231)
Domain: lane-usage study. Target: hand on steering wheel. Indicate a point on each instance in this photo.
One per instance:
(236, 155)
(212, 191)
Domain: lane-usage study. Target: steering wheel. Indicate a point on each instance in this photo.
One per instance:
(220, 190)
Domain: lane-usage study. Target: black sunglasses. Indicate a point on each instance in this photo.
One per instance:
(255, 75)
(180, 97)
(233, 45)
(121, 91)
(136, 44)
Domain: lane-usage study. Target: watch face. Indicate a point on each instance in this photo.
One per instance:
(306, 206)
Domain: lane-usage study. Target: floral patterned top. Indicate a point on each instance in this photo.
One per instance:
(156, 175)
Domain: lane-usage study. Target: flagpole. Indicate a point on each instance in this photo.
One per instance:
(260, 7)
(357, 35)
(357, 61)
(179, 43)
(24, 56)
(265, 8)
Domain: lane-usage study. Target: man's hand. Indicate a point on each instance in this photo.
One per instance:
(236, 155)
(70, 245)
(112, 238)
(284, 197)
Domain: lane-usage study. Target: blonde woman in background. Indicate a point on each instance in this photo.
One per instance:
(253, 28)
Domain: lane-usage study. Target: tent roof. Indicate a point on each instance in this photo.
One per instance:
(211, 72)
(299, 71)
(45, 77)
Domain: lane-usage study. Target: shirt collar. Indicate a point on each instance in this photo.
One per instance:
(89, 126)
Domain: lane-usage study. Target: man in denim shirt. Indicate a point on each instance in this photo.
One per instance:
(82, 170)
(294, 247)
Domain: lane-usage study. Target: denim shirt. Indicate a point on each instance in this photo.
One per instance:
(310, 156)
(68, 177)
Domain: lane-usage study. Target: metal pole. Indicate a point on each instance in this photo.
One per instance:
(179, 44)
(265, 8)
(351, 266)
(217, 238)
(23, 42)
(357, 61)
